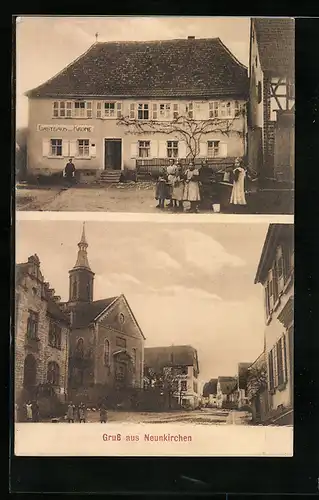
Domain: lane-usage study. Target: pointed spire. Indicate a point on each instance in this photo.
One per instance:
(82, 259)
(83, 238)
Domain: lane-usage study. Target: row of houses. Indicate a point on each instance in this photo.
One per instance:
(86, 349)
(266, 385)
(124, 106)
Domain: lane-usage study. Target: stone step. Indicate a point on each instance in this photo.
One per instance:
(110, 176)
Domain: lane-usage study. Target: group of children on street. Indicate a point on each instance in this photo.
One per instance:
(79, 413)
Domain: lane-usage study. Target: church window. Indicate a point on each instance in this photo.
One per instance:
(54, 335)
(120, 342)
(106, 352)
(32, 325)
(53, 375)
(259, 92)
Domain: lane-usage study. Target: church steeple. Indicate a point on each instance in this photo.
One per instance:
(82, 259)
(81, 276)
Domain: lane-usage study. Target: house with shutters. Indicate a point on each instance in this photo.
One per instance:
(270, 116)
(106, 353)
(180, 363)
(41, 335)
(276, 274)
(124, 103)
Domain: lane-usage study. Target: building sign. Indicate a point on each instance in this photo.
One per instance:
(65, 128)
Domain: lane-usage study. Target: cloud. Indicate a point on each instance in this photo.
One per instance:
(187, 293)
(202, 252)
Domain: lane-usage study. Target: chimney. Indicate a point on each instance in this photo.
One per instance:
(190, 38)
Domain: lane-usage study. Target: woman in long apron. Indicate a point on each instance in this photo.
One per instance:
(178, 189)
(191, 192)
(238, 198)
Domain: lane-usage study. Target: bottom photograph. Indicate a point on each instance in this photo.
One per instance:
(166, 338)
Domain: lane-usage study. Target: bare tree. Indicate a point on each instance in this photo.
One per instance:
(257, 380)
(186, 128)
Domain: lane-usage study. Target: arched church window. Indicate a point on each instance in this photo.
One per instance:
(106, 352)
(53, 375)
(74, 289)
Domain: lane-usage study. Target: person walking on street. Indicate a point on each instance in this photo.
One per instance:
(35, 411)
(29, 411)
(191, 192)
(82, 413)
(238, 198)
(103, 414)
(71, 412)
(69, 172)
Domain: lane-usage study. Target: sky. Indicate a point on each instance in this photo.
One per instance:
(190, 283)
(45, 45)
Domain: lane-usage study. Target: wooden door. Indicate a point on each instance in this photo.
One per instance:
(113, 154)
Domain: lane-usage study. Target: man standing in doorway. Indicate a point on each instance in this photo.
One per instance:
(69, 172)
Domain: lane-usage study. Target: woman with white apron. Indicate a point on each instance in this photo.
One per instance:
(238, 197)
(191, 192)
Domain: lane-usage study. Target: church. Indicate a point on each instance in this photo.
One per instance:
(106, 347)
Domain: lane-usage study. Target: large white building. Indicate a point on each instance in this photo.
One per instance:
(276, 274)
(120, 102)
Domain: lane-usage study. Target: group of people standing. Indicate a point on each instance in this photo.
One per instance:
(27, 412)
(178, 186)
(78, 413)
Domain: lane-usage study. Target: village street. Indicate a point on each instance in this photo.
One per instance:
(130, 197)
(206, 416)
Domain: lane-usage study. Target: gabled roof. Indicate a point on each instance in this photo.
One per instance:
(227, 384)
(160, 357)
(54, 310)
(87, 313)
(162, 68)
(276, 45)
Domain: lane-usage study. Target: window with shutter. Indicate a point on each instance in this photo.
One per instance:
(132, 111)
(275, 366)
(153, 149)
(162, 149)
(267, 305)
(118, 109)
(69, 109)
(99, 109)
(175, 111)
(203, 149)
(274, 283)
(134, 149)
(284, 357)
(270, 371)
(280, 269)
(271, 291)
(46, 147)
(154, 111)
(65, 147)
(280, 362)
(223, 149)
(89, 109)
(73, 149)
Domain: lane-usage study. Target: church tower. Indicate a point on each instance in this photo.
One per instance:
(81, 277)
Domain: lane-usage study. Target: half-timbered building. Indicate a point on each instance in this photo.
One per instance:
(271, 99)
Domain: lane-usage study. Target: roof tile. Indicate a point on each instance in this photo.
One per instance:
(163, 68)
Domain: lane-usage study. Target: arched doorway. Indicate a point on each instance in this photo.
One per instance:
(29, 372)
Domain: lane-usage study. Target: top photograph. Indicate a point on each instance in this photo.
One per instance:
(155, 114)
